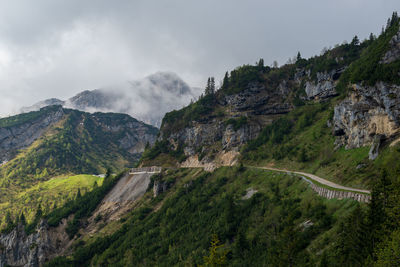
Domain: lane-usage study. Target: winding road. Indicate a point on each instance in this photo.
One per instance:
(319, 180)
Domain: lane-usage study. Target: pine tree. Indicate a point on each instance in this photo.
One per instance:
(212, 85)
(22, 219)
(298, 57)
(388, 23)
(39, 213)
(108, 172)
(355, 41)
(395, 18)
(79, 195)
(217, 257)
(371, 37)
(210, 88)
(261, 63)
(8, 220)
(225, 82)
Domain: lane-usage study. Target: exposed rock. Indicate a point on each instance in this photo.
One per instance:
(19, 249)
(367, 112)
(23, 135)
(324, 86)
(393, 53)
(374, 151)
(249, 193)
(233, 139)
(306, 224)
(223, 158)
(129, 134)
(360, 166)
(215, 132)
(255, 99)
(159, 187)
(300, 74)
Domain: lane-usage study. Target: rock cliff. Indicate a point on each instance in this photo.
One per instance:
(14, 136)
(324, 86)
(368, 111)
(19, 249)
(245, 113)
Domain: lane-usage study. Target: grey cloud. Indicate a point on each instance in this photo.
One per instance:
(54, 48)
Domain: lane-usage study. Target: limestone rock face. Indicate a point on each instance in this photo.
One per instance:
(324, 86)
(136, 135)
(255, 99)
(19, 249)
(233, 139)
(23, 135)
(368, 112)
(374, 151)
(215, 132)
(258, 104)
(393, 53)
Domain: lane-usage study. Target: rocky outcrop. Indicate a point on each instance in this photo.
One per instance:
(232, 138)
(202, 135)
(19, 249)
(374, 151)
(324, 86)
(257, 100)
(393, 53)
(256, 104)
(369, 111)
(222, 158)
(23, 134)
(136, 134)
(159, 187)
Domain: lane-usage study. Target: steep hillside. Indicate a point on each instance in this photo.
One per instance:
(251, 98)
(340, 121)
(336, 109)
(58, 142)
(248, 210)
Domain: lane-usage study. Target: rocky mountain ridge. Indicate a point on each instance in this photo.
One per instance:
(45, 139)
(365, 117)
(147, 99)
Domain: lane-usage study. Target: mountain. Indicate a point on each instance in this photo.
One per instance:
(39, 150)
(147, 99)
(42, 104)
(64, 140)
(241, 179)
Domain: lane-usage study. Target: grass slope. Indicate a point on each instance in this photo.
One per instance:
(49, 194)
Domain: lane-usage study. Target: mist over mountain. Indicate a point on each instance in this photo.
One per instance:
(147, 99)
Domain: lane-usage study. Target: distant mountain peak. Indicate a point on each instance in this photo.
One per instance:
(147, 99)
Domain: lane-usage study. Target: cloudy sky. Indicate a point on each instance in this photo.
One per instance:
(52, 48)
